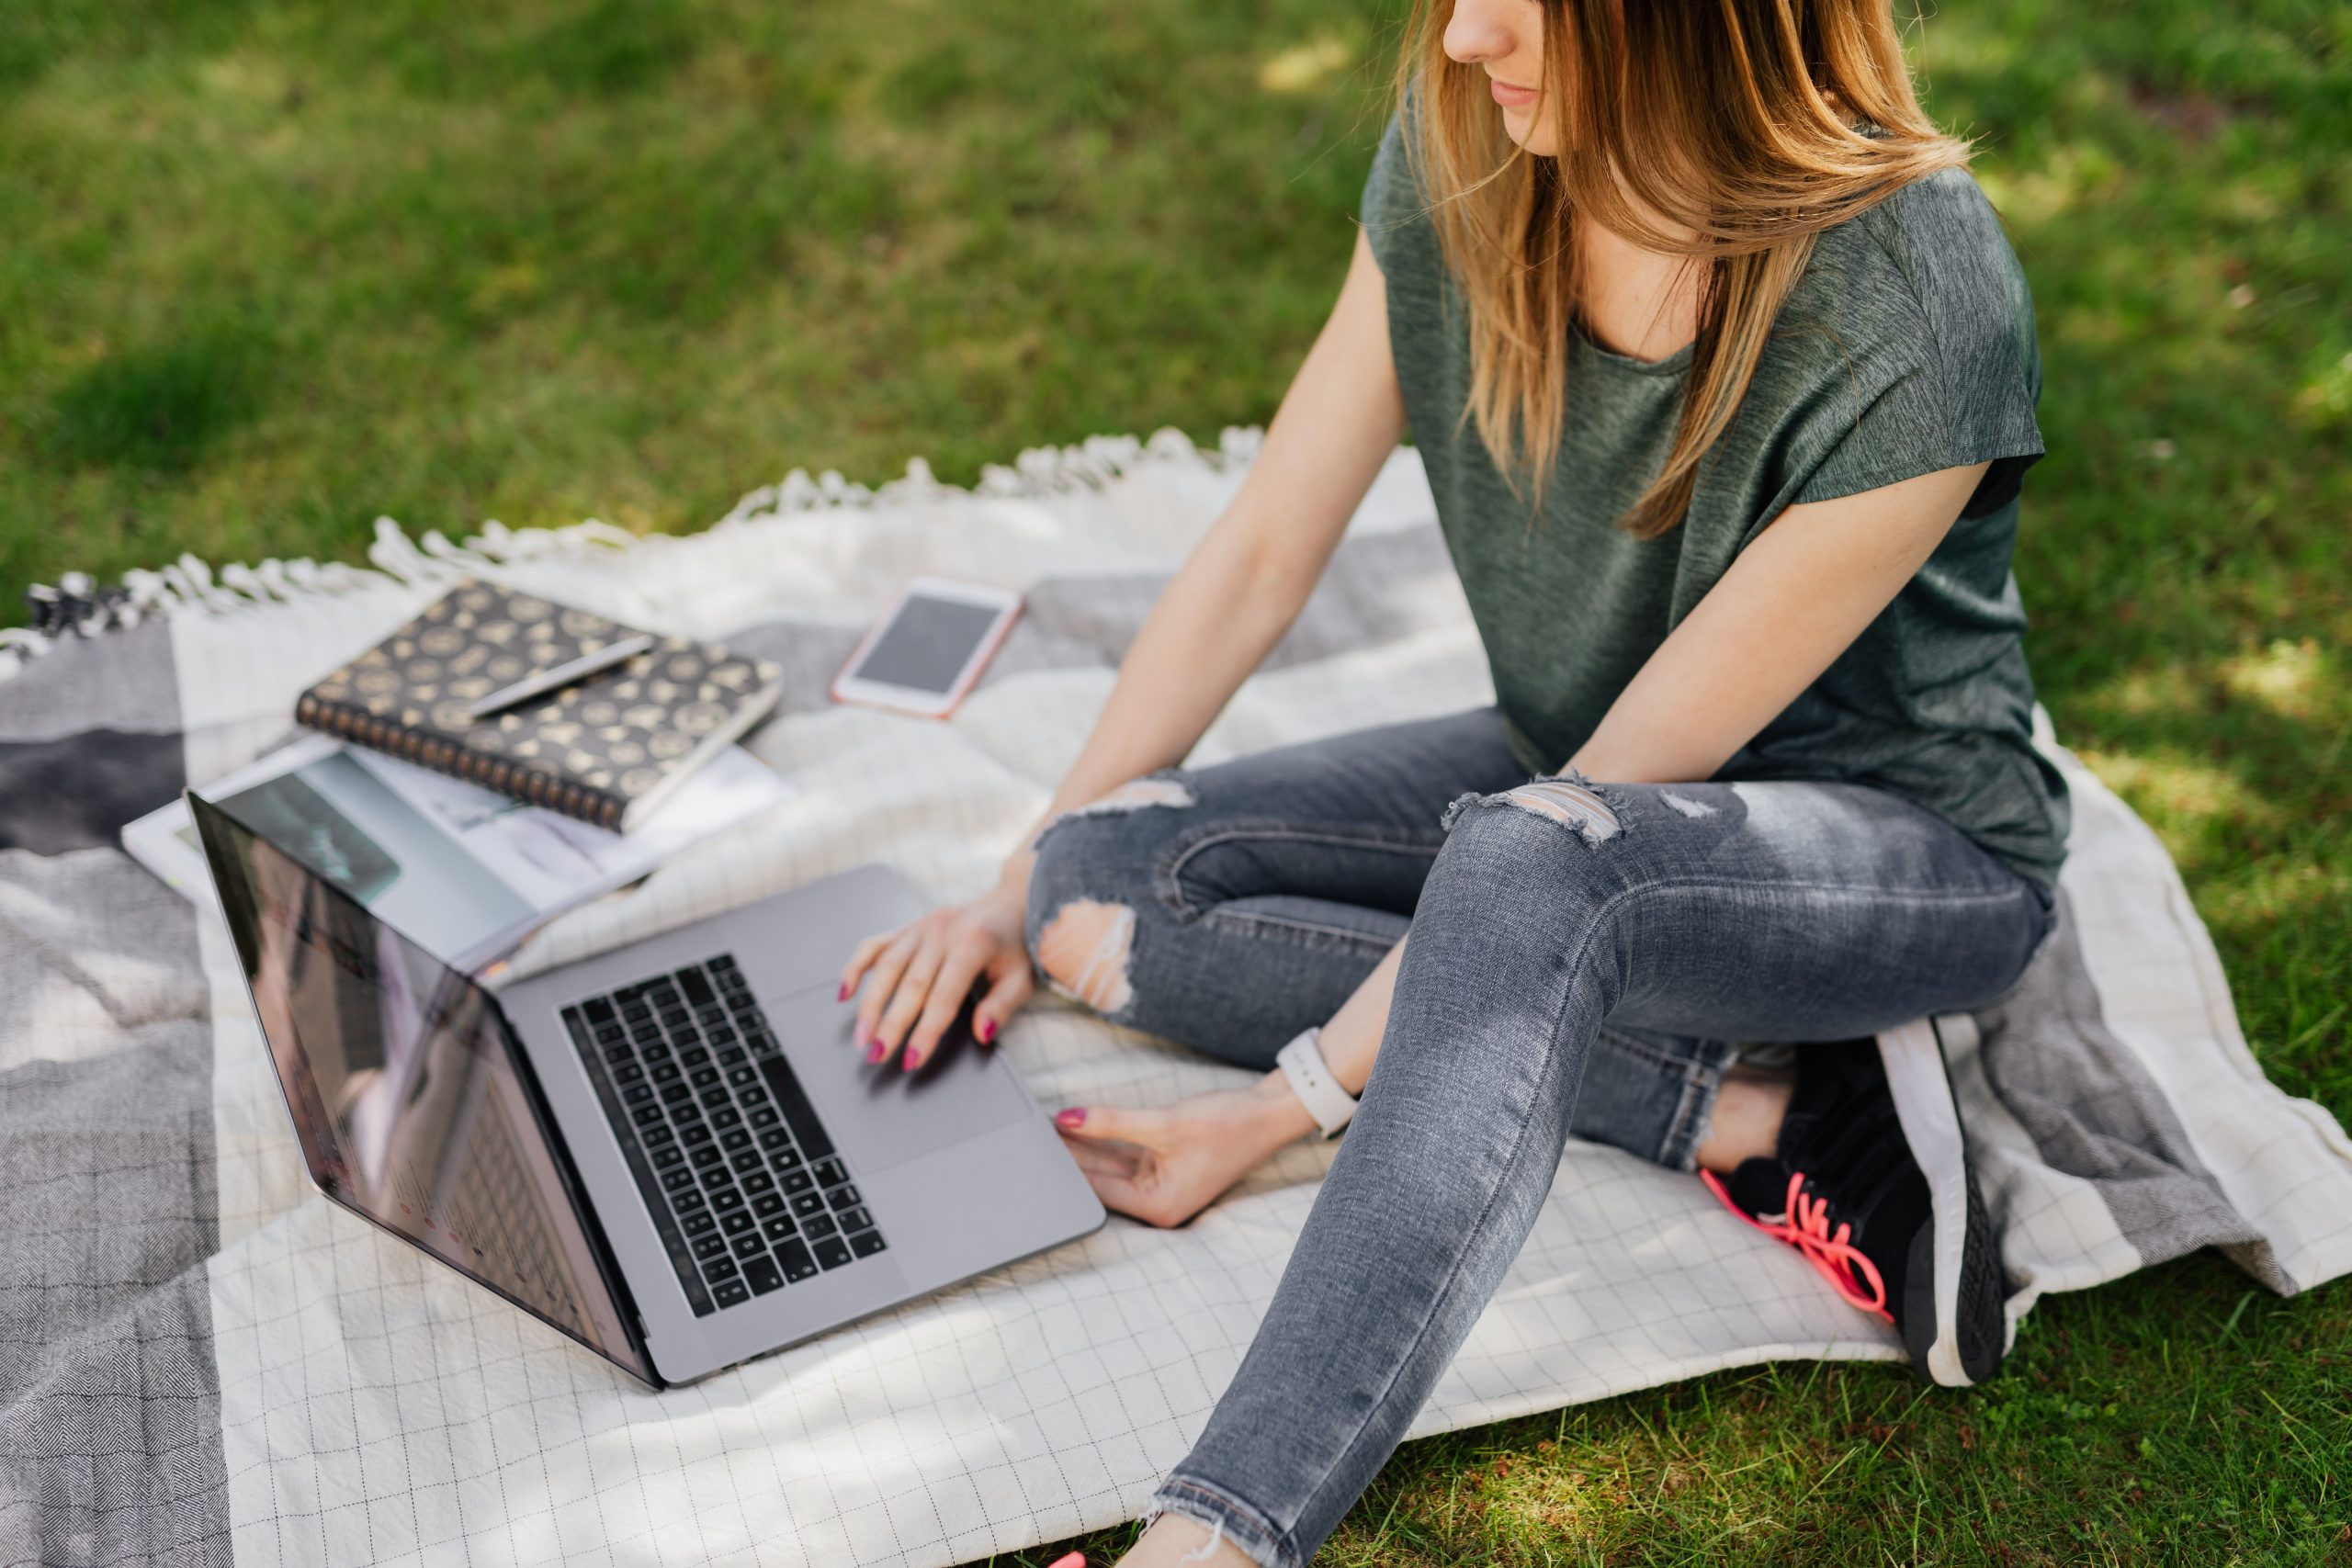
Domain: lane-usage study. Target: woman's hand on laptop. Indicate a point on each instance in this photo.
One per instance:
(1166, 1164)
(923, 971)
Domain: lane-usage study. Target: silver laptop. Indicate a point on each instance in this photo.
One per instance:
(670, 1152)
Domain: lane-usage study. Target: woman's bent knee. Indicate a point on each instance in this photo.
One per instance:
(1084, 950)
(1570, 799)
(1091, 872)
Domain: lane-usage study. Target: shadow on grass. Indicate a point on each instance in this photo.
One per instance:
(38, 35)
(159, 406)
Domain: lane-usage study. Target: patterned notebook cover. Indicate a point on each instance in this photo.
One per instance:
(607, 750)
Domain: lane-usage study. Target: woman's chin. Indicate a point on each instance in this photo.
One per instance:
(1520, 126)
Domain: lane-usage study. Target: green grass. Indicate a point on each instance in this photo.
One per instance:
(271, 270)
(268, 270)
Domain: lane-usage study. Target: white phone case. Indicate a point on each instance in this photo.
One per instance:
(848, 687)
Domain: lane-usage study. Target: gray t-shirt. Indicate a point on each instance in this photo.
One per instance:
(1906, 346)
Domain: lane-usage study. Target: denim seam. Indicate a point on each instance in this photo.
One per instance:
(1679, 1149)
(1701, 1081)
(1218, 915)
(1171, 867)
(1676, 1144)
(1519, 1135)
(1647, 1051)
(1244, 1520)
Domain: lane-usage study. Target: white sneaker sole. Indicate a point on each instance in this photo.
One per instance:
(1921, 1087)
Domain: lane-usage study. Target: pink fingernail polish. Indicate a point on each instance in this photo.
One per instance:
(988, 1030)
(911, 1061)
(841, 995)
(1073, 1117)
(876, 1051)
(1075, 1560)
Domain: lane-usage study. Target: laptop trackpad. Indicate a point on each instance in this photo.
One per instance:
(886, 1115)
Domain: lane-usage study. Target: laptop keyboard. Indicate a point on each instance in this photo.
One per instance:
(745, 1186)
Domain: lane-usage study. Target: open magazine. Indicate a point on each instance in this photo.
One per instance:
(463, 871)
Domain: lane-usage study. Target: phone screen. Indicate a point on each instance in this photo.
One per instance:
(927, 644)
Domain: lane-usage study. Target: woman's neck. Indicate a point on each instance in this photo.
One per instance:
(1632, 301)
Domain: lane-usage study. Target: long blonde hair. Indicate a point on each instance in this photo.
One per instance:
(1746, 126)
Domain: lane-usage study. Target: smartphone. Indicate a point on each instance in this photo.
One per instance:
(929, 647)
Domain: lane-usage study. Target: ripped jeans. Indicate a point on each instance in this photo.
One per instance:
(1583, 960)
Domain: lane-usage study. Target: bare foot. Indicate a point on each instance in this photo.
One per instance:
(1165, 1164)
(1176, 1542)
(1748, 1110)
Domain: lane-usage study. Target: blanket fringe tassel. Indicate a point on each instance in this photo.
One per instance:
(78, 605)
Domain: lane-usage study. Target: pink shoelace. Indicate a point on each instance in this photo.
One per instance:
(1804, 1225)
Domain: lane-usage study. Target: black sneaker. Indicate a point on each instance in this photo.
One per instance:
(1872, 1182)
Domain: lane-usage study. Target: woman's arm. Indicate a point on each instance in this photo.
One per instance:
(1789, 604)
(1236, 594)
(1250, 575)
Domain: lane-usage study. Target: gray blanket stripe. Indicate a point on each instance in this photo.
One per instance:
(110, 1446)
(1378, 588)
(109, 1397)
(2094, 1113)
(111, 679)
(77, 791)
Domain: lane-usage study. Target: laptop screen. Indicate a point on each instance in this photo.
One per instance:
(407, 1090)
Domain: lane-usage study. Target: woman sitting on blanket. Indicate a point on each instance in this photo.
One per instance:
(1724, 377)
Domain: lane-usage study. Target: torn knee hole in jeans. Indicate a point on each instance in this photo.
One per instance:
(1567, 798)
(1160, 788)
(1083, 951)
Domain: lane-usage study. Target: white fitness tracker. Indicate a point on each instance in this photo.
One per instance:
(1310, 1078)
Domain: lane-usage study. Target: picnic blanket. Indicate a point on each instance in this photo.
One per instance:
(201, 1360)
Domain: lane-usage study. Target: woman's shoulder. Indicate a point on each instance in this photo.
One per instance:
(1908, 346)
(1930, 264)
(1946, 208)
(1395, 211)
(1392, 189)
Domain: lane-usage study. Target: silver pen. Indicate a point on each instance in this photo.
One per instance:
(545, 681)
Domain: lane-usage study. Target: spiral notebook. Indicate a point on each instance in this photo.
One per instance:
(608, 749)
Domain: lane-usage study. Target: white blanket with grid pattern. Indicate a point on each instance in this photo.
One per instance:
(348, 1401)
